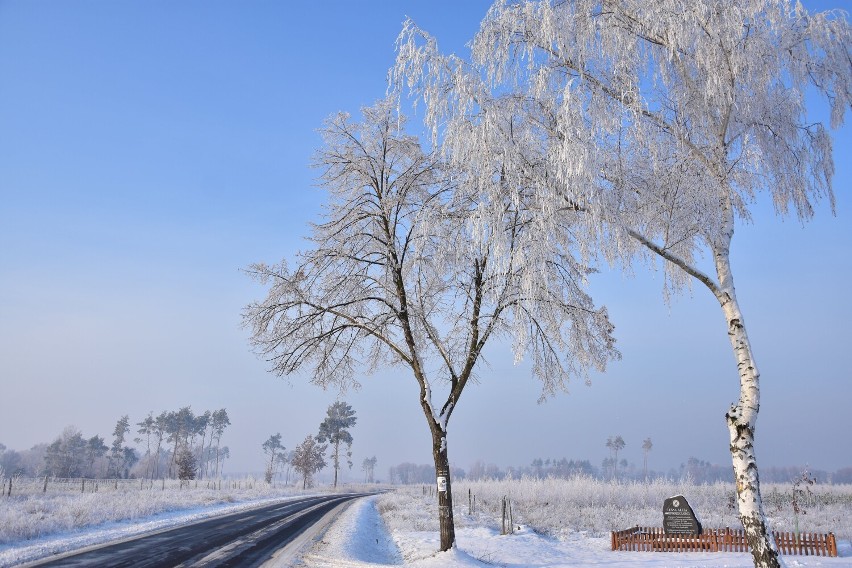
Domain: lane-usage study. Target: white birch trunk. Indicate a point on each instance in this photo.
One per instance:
(742, 416)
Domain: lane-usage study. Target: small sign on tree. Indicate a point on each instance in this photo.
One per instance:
(442, 483)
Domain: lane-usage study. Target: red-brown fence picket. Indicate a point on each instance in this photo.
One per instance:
(654, 539)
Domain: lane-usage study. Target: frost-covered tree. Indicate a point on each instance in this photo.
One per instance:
(308, 458)
(369, 467)
(160, 429)
(202, 422)
(273, 448)
(288, 460)
(96, 449)
(117, 463)
(653, 126)
(222, 454)
(220, 421)
(187, 465)
(10, 462)
(334, 430)
(615, 445)
(181, 428)
(408, 270)
(146, 428)
(647, 445)
(66, 456)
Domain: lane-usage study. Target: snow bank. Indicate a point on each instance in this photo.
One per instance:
(358, 538)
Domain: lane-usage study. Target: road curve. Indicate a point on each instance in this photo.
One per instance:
(244, 539)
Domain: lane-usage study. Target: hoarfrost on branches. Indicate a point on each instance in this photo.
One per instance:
(407, 270)
(652, 126)
(411, 268)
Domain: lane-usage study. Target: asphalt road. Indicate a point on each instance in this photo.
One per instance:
(245, 539)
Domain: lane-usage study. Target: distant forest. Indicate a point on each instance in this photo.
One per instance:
(180, 444)
(176, 444)
(694, 469)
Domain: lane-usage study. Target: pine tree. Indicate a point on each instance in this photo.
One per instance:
(186, 464)
(116, 453)
(335, 430)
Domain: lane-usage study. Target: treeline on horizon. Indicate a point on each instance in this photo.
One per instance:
(695, 470)
(175, 444)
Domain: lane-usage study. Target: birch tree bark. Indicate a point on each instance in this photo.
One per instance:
(652, 126)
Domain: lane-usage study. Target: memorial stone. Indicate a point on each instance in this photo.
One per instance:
(679, 518)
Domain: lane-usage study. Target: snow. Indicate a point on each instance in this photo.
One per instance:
(360, 539)
(398, 529)
(65, 541)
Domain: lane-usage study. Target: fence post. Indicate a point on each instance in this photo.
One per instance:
(82, 485)
(44, 489)
(469, 502)
(9, 494)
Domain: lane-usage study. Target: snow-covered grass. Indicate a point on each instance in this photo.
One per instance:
(560, 507)
(400, 528)
(34, 524)
(559, 523)
(567, 522)
(27, 515)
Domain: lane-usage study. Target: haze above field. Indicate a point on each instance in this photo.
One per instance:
(150, 151)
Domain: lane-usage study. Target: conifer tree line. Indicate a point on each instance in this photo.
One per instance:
(175, 444)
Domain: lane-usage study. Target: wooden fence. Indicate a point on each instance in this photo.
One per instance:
(653, 539)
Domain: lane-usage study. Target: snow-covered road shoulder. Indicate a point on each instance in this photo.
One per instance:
(359, 538)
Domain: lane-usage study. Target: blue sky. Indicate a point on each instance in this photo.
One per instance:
(149, 151)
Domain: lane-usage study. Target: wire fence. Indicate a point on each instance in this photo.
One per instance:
(35, 485)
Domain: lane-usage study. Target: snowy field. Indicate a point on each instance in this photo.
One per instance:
(36, 525)
(361, 539)
(562, 523)
(559, 523)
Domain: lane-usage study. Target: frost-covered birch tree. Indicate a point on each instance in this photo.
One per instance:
(407, 270)
(658, 123)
